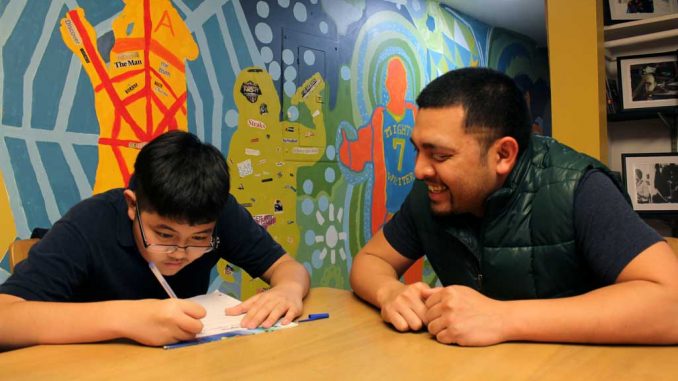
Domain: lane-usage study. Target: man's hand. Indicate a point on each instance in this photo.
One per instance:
(461, 315)
(158, 322)
(266, 308)
(403, 306)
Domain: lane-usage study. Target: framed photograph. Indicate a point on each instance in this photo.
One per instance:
(627, 10)
(648, 81)
(651, 180)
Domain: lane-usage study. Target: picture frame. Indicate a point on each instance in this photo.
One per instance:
(651, 180)
(648, 81)
(611, 96)
(617, 11)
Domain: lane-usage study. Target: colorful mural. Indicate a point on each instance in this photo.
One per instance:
(385, 144)
(8, 231)
(311, 102)
(140, 90)
(266, 153)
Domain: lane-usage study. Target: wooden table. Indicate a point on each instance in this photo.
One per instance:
(353, 344)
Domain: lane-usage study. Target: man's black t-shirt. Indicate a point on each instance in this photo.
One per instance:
(90, 255)
(608, 233)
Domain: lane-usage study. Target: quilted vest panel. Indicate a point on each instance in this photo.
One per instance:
(525, 246)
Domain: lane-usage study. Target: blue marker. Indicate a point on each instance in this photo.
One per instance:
(209, 339)
(312, 317)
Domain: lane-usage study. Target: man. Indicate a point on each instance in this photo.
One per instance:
(531, 240)
(89, 278)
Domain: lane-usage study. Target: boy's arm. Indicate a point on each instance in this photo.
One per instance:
(289, 282)
(641, 307)
(375, 278)
(150, 322)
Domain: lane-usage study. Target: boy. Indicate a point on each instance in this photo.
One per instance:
(89, 279)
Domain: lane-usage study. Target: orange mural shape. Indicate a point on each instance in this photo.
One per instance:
(369, 145)
(141, 91)
(385, 142)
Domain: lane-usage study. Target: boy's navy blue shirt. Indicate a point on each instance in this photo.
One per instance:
(90, 255)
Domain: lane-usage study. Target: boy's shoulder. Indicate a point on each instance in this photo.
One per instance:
(98, 209)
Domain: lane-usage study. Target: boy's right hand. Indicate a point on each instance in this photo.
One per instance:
(404, 306)
(158, 322)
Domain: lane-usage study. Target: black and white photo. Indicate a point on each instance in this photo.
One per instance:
(651, 180)
(648, 81)
(628, 10)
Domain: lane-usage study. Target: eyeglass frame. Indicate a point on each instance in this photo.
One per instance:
(214, 241)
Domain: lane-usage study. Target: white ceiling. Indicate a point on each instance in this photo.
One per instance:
(526, 17)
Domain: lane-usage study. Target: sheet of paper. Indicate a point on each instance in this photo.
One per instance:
(216, 321)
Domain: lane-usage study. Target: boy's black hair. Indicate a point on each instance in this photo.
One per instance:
(180, 178)
(493, 104)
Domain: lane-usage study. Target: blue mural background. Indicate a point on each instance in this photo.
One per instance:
(49, 132)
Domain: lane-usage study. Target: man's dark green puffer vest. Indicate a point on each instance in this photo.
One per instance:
(525, 245)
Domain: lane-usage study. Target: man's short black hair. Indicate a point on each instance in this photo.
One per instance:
(493, 104)
(180, 178)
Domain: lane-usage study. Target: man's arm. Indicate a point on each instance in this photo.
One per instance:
(150, 322)
(289, 282)
(375, 278)
(640, 307)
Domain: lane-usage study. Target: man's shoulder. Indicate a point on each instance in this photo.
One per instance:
(551, 152)
(598, 183)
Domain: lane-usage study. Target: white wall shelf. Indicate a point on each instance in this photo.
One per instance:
(652, 35)
(641, 130)
(657, 34)
(640, 27)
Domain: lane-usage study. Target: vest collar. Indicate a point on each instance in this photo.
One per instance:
(496, 201)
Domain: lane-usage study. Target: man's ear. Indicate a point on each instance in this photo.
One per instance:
(131, 200)
(506, 150)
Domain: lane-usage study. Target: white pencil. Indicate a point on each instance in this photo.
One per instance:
(162, 280)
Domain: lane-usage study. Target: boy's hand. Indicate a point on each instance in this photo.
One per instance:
(404, 306)
(158, 322)
(266, 308)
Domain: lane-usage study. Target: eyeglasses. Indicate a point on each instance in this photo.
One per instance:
(169, 249)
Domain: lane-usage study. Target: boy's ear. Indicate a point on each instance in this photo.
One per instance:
(506, 150)
(131, 200)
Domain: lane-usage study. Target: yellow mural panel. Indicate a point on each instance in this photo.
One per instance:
(266, 153)
(8, 230)
(141, 92)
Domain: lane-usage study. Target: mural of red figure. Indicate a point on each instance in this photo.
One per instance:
(385, 142)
